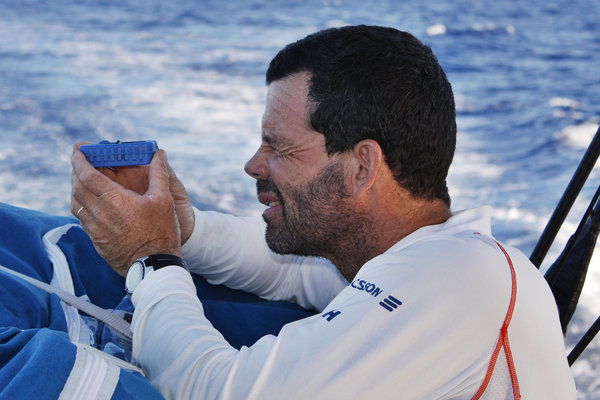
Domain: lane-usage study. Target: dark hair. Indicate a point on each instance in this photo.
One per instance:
(370, 82)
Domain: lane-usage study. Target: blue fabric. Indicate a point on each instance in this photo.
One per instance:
(134, 386)
(243, 318)
(34, 363)
(24, 306)
(91, 274)
(36, 355)
(21, 247)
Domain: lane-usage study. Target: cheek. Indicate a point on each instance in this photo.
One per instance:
(289, 172)
(289, 189)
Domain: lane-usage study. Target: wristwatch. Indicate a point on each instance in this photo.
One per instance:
(143, 266)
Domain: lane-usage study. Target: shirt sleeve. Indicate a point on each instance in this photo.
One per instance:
(231, 250)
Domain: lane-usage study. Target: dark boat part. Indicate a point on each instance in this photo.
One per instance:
(566, 202)
(567, 275)
(584, 342)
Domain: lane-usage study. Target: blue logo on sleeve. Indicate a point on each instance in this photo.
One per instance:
(331, 315)
(390, 303)
(368, 287)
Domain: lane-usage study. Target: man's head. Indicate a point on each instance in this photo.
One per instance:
(358, 132)
(310, 208)
(369, 82)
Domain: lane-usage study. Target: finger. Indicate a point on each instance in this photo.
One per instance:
(79, 210)
(158, 173)
(175, 184)
(82, 162)
(176, 188)
(81, 197)
(88, 176)
(74, 206)
(76, 193)
(108, 171)
(77, 145)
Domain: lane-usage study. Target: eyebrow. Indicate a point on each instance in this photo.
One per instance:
(272, 141)
(267, 139)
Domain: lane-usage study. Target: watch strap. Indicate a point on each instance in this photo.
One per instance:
(157, 261)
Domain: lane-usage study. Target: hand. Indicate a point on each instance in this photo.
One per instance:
(123, 224)
(136, 178)
(131, 177)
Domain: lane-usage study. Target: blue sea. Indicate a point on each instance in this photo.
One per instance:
(190, 74)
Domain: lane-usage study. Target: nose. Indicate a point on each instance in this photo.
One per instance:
(257, 166)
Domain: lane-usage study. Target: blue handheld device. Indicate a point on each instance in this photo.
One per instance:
(119, 154)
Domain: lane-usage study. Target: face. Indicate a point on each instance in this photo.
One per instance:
(303, 187)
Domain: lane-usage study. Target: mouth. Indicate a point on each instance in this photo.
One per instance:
(269, 195)
(272, 202)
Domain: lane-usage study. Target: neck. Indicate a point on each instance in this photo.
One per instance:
(382, 228)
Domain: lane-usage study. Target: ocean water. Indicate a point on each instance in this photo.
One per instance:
(190, 74)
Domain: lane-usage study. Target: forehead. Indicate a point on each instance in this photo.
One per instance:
(287, 108)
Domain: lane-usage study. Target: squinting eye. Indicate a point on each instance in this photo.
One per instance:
(277, 152)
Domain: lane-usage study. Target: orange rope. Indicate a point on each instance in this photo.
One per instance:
(503, 339)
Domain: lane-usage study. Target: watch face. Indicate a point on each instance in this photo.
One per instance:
(134, 276)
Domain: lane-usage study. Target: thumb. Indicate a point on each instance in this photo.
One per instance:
(175, 185)
(158, 173)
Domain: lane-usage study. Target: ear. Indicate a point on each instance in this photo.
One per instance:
(368, 160)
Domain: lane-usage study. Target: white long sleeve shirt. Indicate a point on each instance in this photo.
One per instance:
(419, 321)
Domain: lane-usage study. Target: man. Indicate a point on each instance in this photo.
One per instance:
(357, 138)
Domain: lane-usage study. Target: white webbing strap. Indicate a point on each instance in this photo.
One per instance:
(118, 324)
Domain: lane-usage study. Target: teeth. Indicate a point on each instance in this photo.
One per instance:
(273, 203)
